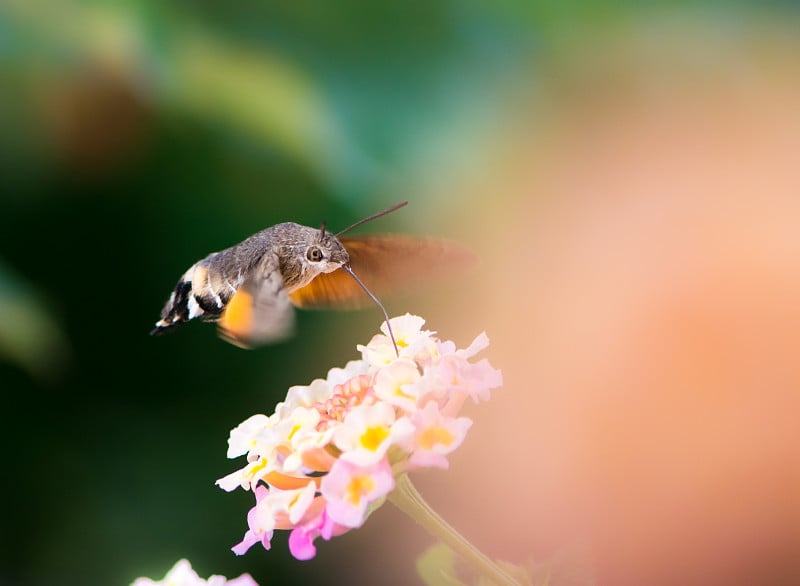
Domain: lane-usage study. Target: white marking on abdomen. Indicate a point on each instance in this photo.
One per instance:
(194, 307)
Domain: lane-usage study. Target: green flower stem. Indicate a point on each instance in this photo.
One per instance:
(406, 498)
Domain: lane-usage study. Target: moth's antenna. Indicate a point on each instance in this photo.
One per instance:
(349, 270)
(322, 230)
(395, 207)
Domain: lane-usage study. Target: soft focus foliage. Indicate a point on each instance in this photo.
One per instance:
(29, 336)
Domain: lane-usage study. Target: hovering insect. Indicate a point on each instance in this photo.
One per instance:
(249, 289)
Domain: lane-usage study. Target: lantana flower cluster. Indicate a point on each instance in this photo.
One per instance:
(329, 454)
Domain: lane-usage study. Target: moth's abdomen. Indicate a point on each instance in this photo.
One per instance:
(201, 292)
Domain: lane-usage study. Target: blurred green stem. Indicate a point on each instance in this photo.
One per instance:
(406, 498)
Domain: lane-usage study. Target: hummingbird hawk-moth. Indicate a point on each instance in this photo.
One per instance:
(249, 289)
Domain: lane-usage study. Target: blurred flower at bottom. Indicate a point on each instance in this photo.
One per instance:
(182, 574)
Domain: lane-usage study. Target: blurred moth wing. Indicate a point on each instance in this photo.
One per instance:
(260, 311)
(388, 264)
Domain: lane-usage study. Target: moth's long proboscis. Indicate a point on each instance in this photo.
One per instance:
(395, 207)
(350, 272)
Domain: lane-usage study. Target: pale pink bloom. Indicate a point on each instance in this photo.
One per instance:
(480, 343)
(245, 436)
(303, 396)
(351, 489)
(254, 437)
(246, 477)
(295, 425)
(455, 374)
(274, 508)
(477, 379)
(182, 574)
(294, 503)
(301, 539)
(396, 384)
(368, 431)
(412, 342)
(260, 522)
(435, 436)
(337, 376)
(299, 429)
(309, 434)
(271, 507)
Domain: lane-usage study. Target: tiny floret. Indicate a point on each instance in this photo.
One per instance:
(329, 454)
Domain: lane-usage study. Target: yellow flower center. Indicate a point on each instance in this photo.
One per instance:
(373, 437)
(435, 435)
(359, 486)
(398, 391)
(258, 467)
(294, 500)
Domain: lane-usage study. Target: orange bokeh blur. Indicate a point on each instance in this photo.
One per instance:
(641, 287)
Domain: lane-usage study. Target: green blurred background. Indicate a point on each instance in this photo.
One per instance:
(136, 137)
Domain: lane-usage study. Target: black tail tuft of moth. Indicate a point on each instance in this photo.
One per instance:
(176, 310)
(161, 330)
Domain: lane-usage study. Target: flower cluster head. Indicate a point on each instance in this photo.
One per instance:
(182, 574)
(328, 456)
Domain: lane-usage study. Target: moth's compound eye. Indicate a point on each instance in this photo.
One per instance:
(314, 254)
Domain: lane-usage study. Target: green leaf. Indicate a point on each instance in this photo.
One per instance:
(29, 336)
(437, 566)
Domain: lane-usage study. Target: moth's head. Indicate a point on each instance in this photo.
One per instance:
(325, 252)
(306, 252)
